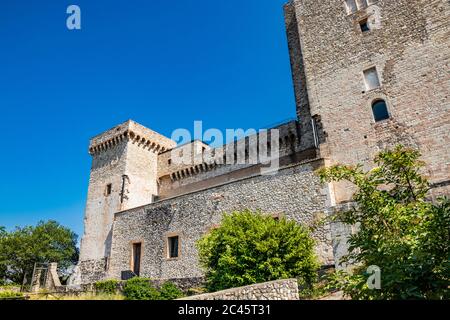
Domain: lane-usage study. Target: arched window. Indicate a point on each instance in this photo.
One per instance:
(379, 110)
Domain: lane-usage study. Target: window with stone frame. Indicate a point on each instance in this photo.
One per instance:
(380, 110)
(371, 79)
(172, 246)
(136, 258)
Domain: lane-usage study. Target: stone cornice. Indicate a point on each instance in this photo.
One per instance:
(131, 136)
(130, 131)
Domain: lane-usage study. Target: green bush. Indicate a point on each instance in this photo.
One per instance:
(106, 286)
(169, 291)
(399, 230)
(251, 248)
(8, 294)
(140, 289)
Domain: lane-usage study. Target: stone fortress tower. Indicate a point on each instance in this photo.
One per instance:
(367, 75)
(123, 176)
(374, 73)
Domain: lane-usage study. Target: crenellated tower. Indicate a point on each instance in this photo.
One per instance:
(123, 176)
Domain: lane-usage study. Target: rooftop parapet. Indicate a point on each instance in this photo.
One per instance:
(132, 131)
(288, 135)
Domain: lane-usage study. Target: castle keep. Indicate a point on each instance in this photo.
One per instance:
(367, 75)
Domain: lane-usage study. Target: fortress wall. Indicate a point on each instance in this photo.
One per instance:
(179, 179)
(295, 192)
(220, 175)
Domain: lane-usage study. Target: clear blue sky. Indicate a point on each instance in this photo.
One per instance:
(161, 63)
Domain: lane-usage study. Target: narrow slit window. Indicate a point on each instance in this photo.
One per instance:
(173, 247)
(380, 110)
(137, 258)
(371, 79)
(108, 189)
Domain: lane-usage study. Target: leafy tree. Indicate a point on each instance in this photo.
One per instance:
(399, 229)
(3, 267)
(3, 232)
(251, 248)
(43, 243)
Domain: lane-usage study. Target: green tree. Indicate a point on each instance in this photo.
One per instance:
(251, 248)
(3, 267)
(45, 242)
(398, 229)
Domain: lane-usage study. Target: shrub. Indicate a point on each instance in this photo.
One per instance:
(399, 230)
(169, 291)
(106, 286)
(8, 294)
(140, 289)
(251, 248)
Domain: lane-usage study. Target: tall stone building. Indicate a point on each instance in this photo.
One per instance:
(367, 75)
(373, 74)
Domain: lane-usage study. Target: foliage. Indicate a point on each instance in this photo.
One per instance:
(43, 243)
(399, 230)
(319, 289)
(169, 291)
(106, 286)
(251, 248)
(140, 289)
(3, 266)
(10, 294)
(3, 232)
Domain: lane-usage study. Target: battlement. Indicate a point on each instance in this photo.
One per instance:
(131, 131)
(239, 158)
(211, 158)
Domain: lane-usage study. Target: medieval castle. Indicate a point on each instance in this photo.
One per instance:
(367, 75)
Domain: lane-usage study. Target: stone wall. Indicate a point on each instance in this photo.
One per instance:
(274, 290)
(295, 191)
(409, 45)
(90, 271)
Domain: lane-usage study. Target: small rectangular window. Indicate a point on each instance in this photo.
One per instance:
(173, 247)
(169, 162)
(371, 78)
(364, 24)
(108, 189)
